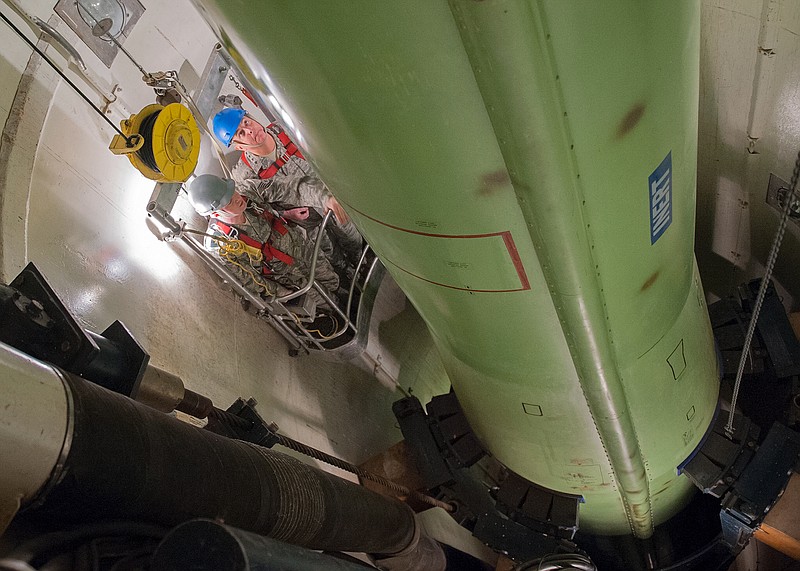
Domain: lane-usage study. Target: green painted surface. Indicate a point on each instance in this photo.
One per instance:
(496, 156)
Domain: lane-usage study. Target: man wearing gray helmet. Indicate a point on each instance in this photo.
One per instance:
(273, 255)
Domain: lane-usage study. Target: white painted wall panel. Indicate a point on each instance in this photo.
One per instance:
(742, 96)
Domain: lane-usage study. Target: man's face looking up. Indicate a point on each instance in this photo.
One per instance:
(250, 135)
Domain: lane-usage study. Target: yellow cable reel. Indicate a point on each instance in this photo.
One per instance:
(163, 142)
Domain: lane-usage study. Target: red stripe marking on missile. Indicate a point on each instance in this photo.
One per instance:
(508, 240)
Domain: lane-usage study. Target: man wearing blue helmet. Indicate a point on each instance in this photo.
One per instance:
(273, 170)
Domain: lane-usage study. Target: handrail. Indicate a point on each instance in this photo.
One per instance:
(355, 275)
(62, 41)
(177, 230)
(35, 23)
(312, 272)
(300, 326)
(348, 323)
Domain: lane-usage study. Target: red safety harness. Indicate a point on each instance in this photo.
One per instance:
(265, 248)
(291, 150)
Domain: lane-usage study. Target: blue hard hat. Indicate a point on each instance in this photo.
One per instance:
(225, 124)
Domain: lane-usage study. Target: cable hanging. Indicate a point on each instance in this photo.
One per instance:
(129, 140)
(146, 152)
(762, 291)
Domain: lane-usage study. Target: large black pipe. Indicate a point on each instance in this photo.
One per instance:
(203, 545)
(126, 460)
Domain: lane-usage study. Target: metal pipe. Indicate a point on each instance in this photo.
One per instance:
(35, 422)
(208, 545)
(355, 275)
(347, 323)
(126, 460)
(312, 283)
(160, 389)
(62, 41)
(312, 272)
(346, 314)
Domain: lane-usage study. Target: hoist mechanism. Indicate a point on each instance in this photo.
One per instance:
(166, 142)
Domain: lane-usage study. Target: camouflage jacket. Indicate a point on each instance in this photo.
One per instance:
(261, 277)
(294, 184)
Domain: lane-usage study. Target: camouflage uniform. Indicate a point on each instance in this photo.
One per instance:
(295, 184)
(281, 277)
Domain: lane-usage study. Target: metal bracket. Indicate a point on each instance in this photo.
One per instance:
(452, 431)
(512, 538)
(35, 321)
(441, 440)
(63, 342)
(777, 191)
(252, 427)
(749, 481)
(720, 461)
(759, 487)
(546, 511)
(525, 521)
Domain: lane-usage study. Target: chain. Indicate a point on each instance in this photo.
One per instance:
(235, 82)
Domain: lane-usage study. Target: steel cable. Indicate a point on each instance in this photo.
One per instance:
(64, 77)
(307, 450)
(347, 467)
(762, 290)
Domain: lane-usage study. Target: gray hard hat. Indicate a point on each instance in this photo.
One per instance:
(209, 193)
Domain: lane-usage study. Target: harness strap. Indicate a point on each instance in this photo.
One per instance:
(290, 150)
(247, 94)
(274, 222)
(270, 253)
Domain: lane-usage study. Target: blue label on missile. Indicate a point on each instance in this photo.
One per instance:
(660, 185)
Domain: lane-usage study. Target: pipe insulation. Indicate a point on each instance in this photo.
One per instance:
(123, 460)
(203, 545)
